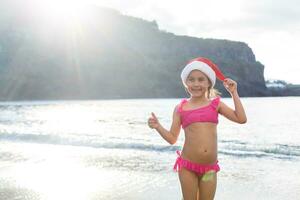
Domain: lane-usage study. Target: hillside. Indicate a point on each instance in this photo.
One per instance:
(108, 55)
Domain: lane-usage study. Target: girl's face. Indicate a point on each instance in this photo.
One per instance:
(197, 83)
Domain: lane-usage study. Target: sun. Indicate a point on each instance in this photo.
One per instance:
(64, 12)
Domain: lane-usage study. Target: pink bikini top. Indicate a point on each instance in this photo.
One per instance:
(207, 113)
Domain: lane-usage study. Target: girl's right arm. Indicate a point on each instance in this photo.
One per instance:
(170, 136)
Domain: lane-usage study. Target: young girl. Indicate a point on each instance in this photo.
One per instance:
(197, 164)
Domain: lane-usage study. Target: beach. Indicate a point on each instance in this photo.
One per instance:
(104, 150)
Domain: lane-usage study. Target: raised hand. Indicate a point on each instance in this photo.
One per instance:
(230, 85)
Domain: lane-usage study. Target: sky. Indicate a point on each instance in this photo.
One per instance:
(271, 28)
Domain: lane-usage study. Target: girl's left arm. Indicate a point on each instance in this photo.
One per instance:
(238, 114)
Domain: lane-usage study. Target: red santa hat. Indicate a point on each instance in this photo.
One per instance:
(204, 65)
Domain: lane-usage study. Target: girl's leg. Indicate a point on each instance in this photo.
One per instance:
(207, 186)
(189, 184)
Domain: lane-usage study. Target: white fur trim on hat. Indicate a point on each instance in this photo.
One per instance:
(201, 66)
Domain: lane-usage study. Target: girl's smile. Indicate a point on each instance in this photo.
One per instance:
(197, 83)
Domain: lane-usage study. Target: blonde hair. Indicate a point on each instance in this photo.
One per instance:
(212, 92)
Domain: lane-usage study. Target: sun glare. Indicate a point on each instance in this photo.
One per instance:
(60, 177)
(66, 12)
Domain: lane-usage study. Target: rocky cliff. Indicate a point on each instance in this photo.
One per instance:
(108, 55)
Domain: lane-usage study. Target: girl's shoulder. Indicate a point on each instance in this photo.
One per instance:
(215, 102)
(216, 99)
(179, 106)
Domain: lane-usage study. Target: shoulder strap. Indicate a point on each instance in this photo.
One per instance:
(179, 108)
(215, 102)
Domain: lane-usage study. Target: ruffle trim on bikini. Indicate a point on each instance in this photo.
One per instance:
(215, 102)
(196, 167)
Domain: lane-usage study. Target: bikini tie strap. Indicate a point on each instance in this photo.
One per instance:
(176, 165)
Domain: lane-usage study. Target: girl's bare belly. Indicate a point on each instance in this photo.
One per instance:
(200, 144)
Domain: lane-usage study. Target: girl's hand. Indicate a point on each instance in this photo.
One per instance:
(153, 121)
(230, 85)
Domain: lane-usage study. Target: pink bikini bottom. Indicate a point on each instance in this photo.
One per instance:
(195, 167)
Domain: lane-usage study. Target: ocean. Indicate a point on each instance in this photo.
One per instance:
(94, 150)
